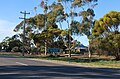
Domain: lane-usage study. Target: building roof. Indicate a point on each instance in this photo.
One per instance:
(81, 46)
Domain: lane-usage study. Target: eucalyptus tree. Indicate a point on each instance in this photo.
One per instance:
(34, 25)
(108, 28)
(86, 16)
(108, 23)
(35, 31)
(9, 43)
(14, 42)
(70, 14)
(75, 15)
(5, 43)
(52, 14)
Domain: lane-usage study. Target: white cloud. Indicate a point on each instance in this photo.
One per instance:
(6, 29)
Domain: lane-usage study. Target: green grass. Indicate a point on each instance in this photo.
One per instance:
(107, 63)
(94, 62)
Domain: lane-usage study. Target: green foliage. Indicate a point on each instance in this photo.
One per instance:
(45, 27)
(107, 28)
(0, 46)
(14, 43)
(109, 23)
(10, 42)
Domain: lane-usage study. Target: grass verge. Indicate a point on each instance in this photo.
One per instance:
(94, 62)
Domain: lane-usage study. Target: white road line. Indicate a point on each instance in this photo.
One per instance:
(22, 64)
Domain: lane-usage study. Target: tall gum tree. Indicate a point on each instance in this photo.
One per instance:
(35, 30)
(77, 16)
(43, 26)
(108, 28)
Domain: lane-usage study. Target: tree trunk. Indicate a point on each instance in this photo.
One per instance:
(69, 53)
(45, 48)
(117, 56)
(89, 53)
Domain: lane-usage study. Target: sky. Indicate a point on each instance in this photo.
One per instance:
(10, 13)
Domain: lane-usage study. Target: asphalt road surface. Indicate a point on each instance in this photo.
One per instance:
(24, 68)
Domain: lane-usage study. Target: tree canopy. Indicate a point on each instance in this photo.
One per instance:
(108, 29)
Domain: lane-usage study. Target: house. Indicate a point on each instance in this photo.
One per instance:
(81, 48)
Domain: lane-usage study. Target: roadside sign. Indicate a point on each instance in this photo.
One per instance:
(53, 49)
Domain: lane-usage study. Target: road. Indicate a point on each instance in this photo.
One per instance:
(25, 68)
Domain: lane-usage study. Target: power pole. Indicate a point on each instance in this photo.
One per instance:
(45, 28)
(24, 18)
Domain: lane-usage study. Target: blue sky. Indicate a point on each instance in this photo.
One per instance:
(10, 13)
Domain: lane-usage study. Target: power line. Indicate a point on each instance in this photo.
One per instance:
(24, 13)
